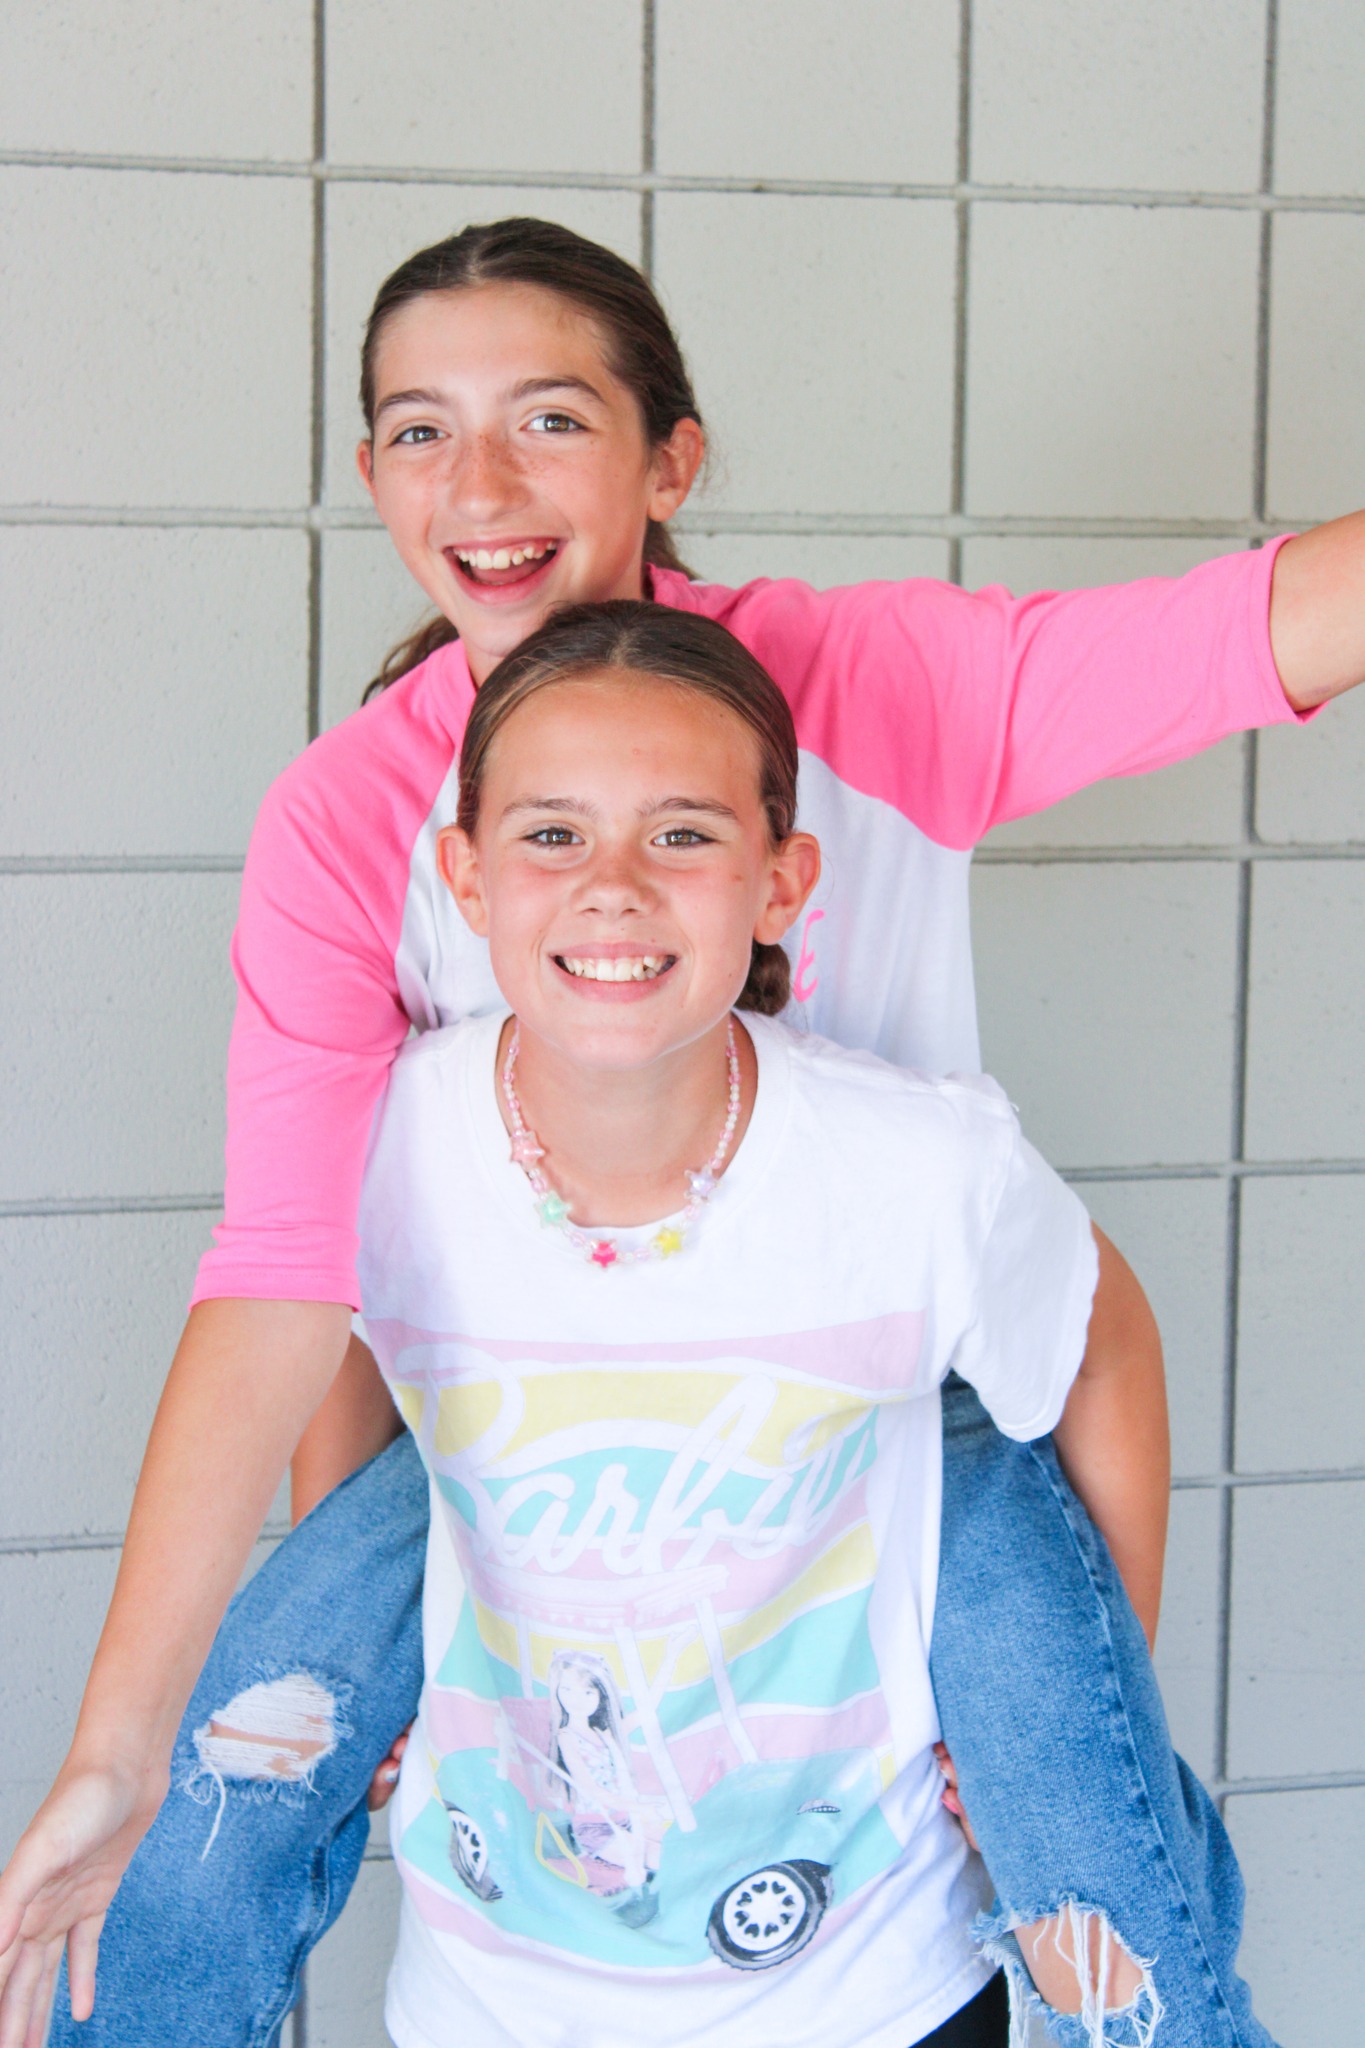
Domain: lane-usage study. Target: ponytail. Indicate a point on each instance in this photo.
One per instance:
(768, 989)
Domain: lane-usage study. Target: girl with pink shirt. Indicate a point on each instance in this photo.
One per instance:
(531, 430)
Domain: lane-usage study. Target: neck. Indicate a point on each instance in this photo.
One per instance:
(619, 1145)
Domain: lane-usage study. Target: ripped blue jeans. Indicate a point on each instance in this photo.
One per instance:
(1045, 1692)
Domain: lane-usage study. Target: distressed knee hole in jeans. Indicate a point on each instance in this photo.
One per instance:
(1073, 1972)
(273, 1733)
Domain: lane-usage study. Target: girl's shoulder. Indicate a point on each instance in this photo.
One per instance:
(872, 1111)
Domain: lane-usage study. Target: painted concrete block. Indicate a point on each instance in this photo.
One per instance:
(1319, 91)
(821, 91)
(225, 78)
(160, 683)
(1296, 1671)
(52, 1607)
(1306, 1042)
(1310, 780)
(350, 1966)
(1300, 1386)
(1196, 803)
(1174, 1235)
(840, 397)
(1187, 1640)
(1107, 1003)
(198, 289)
(372, 228)
(528, 86)
(369, 604)
(1315, 446)
(1110, 364)
(116, 1088)
(1303, 1856)
(824, 560)
(94, 1308)
(1149, 97)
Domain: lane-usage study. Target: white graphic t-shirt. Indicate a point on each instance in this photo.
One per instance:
(672, 1778)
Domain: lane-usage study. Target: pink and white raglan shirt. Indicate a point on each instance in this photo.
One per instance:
(925, 715)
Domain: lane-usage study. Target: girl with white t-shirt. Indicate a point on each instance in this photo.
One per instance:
(530, 430)
(666, 1299)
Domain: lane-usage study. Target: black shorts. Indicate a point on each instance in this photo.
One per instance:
(983, 2023)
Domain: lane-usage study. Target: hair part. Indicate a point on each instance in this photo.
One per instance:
(684, 651)
(641, 349)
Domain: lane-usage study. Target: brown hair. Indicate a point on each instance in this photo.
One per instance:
(682, 649)
(641, 348)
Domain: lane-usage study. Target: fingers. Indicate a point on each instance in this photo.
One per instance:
(16, 2003)
(951, 1797)
(386, 1777)
(42, 2003)
(82, 1953)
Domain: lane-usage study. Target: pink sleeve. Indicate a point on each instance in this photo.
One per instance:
(318, 1018)
(967, 709)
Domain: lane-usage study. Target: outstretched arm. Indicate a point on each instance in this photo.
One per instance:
(1317, 612)
(356, 1421)
(1114, 1436)
(246, 1377)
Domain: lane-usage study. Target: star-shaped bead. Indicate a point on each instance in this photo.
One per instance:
(552, 1208)
(603, 1253)
(702, 1184)
(668, 1241)
(525, 1150)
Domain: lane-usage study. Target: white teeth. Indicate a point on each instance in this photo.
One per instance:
(643, 968)
(503, 558)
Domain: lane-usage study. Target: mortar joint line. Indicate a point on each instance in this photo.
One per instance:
(961, 259)
(657, 181)
(648, 116)
(1242, 997)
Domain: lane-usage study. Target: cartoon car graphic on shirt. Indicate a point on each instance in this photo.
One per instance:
(657, 1836)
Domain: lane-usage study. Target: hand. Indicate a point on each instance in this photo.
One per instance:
(952, 1798)
(55, 1891)
(384, 1779)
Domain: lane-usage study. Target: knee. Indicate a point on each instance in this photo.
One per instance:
(1074, 1971)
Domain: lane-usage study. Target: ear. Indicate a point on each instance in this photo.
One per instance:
(364, 462)
(457, 863)
(676, 462)
(794, 872)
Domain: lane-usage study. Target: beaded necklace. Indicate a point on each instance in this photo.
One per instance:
(551, 1207)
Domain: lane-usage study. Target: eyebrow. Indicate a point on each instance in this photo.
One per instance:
(530, 387)
(583, 807)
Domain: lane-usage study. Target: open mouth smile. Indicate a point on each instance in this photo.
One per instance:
(626, 967)
(501, 565)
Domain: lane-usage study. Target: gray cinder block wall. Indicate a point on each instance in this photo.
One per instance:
(1039, 291)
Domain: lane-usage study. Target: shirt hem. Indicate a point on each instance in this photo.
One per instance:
(925, 2018)
(244, 1283)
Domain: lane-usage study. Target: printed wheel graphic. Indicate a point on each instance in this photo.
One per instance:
(469, 1854)
(769, 1915)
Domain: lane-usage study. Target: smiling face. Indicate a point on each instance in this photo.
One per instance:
(622, 866)
(579, 1696)
(510, 464)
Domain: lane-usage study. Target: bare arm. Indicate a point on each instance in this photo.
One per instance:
(1317, 612)
(246, 1377)
(1114, 1435)
(356, 1421)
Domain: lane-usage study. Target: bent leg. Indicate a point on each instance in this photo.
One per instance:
(1050, 1707)
(316, 1668)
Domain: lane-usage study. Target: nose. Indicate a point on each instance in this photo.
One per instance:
(485, 481)
(617, 884)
